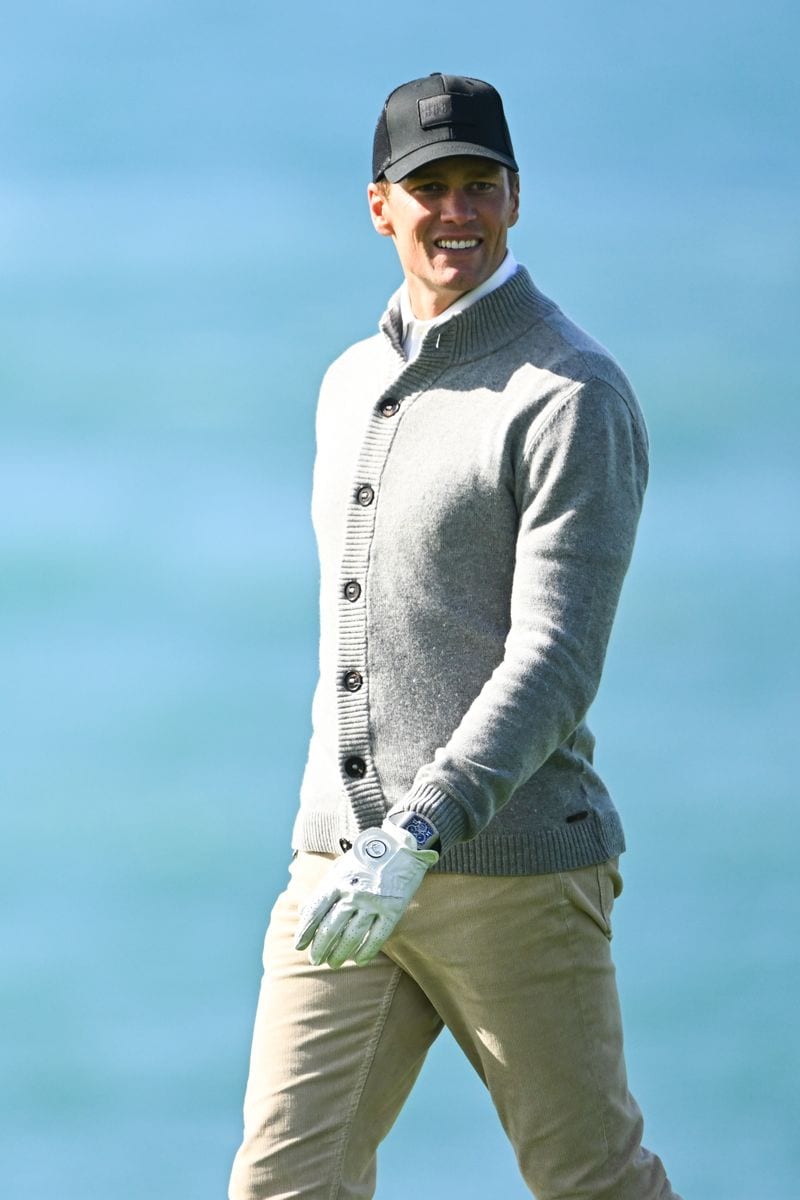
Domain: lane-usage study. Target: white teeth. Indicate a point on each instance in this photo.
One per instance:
(452, 244)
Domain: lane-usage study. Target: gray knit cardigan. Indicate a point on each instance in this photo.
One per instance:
(475, 512)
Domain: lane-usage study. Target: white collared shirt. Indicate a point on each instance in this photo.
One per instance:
(414, 330)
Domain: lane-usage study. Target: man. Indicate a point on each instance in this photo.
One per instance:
(480, 470)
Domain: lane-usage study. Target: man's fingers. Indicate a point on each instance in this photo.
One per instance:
(327, 932)
(351, 937)
(311, 914)
(349, 928)
(373, 943)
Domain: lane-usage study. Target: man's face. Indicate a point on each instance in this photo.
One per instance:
(449, 222)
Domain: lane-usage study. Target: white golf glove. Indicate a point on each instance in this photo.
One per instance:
(363, 896)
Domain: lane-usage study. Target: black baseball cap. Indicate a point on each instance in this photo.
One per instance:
(439, 116)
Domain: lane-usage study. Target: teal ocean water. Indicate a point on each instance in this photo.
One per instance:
(184, 245)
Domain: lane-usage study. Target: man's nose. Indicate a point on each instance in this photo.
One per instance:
(457, 206)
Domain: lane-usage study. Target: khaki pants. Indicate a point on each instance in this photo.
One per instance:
(520, 971)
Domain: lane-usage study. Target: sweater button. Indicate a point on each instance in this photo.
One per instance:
(365, 495)
(352, 590)
(353, 681)
(389, 408)
(355, 767)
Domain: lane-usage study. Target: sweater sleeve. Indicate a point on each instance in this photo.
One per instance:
(579, 481)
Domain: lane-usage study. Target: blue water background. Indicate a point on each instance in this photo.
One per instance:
(184, 246)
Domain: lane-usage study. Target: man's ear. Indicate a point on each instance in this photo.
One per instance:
(513, 179)
(377, 198)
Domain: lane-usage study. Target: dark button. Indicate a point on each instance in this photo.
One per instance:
(365, 495)
(352, 590)
(389, 408)
(353, 681)
(355, 767)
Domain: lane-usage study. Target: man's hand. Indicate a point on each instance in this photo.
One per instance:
(363, 896)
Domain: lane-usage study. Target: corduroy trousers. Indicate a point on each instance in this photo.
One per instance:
(519, 969)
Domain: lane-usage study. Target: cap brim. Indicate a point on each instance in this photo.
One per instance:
(436, 150)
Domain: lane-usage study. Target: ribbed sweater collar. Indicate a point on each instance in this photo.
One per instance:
(493, 321)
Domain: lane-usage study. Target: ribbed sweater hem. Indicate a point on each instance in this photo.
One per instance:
(578, 845)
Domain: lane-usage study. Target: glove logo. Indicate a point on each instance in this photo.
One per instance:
(376, 848)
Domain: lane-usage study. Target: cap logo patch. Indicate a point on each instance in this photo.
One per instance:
(454, 109)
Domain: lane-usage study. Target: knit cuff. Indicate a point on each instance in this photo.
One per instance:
(440, 809)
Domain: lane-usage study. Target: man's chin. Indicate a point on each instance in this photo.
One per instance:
(446, 285)
(459, 277)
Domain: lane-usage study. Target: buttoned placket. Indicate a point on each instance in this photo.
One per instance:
(358, 772)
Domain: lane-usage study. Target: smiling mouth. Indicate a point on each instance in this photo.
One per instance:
(457, 243)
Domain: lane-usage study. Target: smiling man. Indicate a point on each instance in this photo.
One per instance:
(480, 469)
(449, 222)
